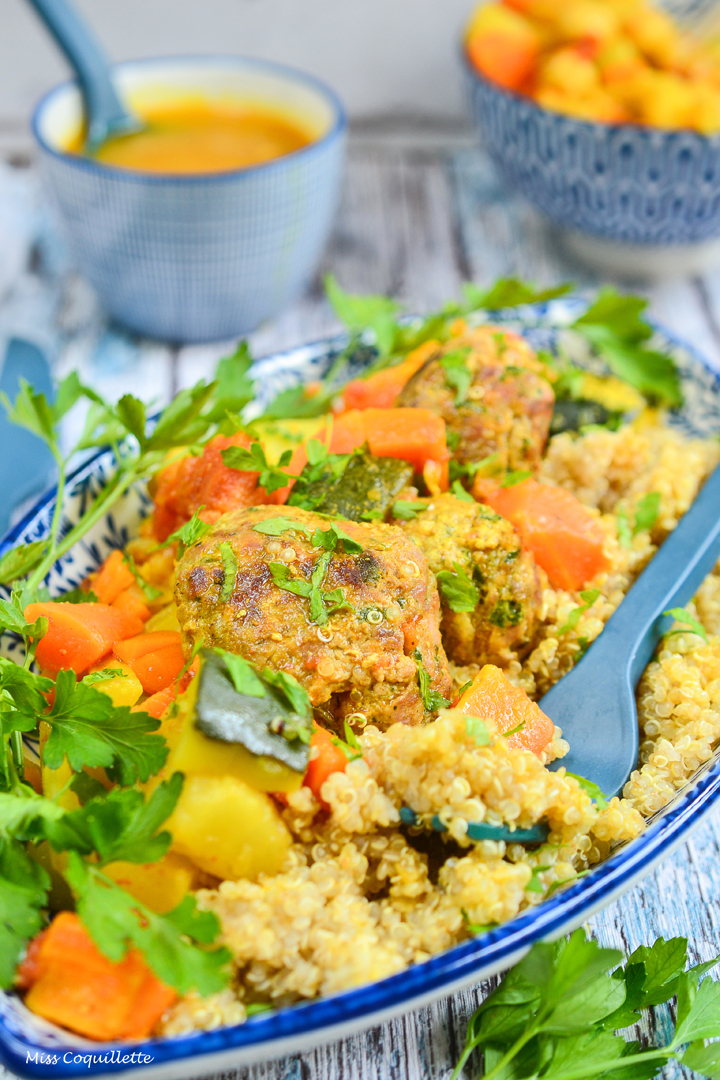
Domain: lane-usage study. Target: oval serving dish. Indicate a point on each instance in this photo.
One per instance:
(33, 1048)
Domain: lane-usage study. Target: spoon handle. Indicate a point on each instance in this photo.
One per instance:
(670, 580)
(106, 114)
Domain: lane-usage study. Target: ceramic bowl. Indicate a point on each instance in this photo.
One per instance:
(31, 1047)
(632, 199)
(201, 257)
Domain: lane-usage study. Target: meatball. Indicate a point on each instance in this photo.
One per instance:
(358, 644)
(507, 407)
(452, 532)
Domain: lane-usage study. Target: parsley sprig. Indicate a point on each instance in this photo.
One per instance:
(554, 1015)
(432, 699)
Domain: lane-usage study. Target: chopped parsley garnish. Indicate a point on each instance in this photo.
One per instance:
(459, 492)
(230, 568)
(270, 477)
(506, 613)
(457, 374)
(512, 478)
(104, 675)
(588, 597)
(687, 622)
(322, 604)
(457, 590)
(432, 699)
(350, 746)
(477, 730)
(590, 788)
(278, 525)
(646, 512)
(192, 531)
(151, 593)
(408, 509)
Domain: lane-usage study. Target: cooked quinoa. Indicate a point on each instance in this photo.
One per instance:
(358, 898)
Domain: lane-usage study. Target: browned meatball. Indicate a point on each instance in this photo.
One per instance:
(357, 658)
(507, 407)
(454, 533)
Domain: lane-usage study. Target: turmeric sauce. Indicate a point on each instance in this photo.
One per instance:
(202, 137)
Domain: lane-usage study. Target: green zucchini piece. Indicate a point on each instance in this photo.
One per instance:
(572, 415)
(224, 714)
(366, 489)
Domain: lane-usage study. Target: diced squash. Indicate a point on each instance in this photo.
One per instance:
(74, 985)
(325, 758)
(79, 634)
(132, 602)
(564, 537)
(122, 689)
(228, 829)
(381, 390)
(113, 577)
(277, 436)
(415, 435)
(188, 483)
(161, 885)
(492, 696)
(164, 619)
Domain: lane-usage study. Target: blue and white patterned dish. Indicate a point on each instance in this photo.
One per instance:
(621, 182)
(33, 1048)
(201, 257)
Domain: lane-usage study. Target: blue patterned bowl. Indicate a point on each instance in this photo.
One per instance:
(202, 257)
(620, 182)
(33, 1048)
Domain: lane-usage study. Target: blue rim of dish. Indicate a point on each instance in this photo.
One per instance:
(77, 161)
(494, 949)
(597, 125)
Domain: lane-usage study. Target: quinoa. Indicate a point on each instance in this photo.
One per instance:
(358, 899)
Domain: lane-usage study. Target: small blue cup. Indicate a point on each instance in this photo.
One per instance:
(198, 257)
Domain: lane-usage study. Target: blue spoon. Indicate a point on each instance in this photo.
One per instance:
(105, 113)
(594, 704)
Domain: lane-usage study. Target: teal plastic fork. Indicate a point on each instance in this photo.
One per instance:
(594, 704)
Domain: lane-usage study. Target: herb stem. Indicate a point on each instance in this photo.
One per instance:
(590, 1070)
(18, 756)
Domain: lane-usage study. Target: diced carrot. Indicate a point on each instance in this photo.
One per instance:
(380, 391)
(561, 533)
(74, 985)
(79, 634)
(330, 758)
(113, 577)
(133, 648)
(415, 435)
(188, 483)
(158, 704)
(132, 602)
(492, 696)
(157, 670)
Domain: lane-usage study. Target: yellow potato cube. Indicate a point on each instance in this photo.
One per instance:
(161, 885)
(54, 781)
(566, 70)
(280, 435)
(122, 689)
(228, 829)
(198, 755)
(164, 619)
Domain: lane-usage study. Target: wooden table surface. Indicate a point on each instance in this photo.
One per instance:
(420, 213)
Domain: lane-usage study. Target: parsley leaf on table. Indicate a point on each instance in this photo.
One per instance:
(88, 729)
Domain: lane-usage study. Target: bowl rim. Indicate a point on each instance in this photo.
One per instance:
(267, 1036)
(648, 130)
(111, 172)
